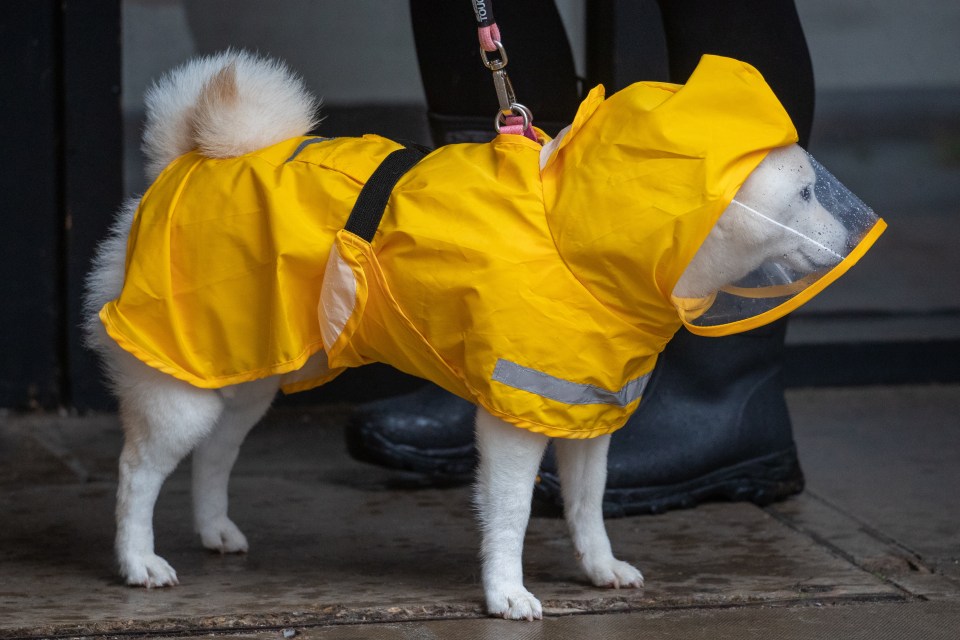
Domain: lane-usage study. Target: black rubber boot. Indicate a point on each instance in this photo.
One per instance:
(428, 431)
(712, 424)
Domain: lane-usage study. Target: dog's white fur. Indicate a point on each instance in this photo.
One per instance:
(256, 102)
(775, 216)
(228, 105)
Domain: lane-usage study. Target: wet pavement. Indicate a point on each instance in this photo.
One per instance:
(874, 540)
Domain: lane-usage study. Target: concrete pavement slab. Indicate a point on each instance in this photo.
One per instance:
(868, 548)
(886, 458)
(335, 540)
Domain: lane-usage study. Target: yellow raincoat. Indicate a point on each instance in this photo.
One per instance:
(543, 297)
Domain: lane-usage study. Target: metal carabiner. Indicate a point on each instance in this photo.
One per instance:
(497, 64)
(506, 97)
(505, 94)
(516, 109)
(501, 81)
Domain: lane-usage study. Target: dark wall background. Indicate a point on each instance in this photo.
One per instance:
(61, 141)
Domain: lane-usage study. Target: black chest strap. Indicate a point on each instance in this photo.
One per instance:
(372, 201)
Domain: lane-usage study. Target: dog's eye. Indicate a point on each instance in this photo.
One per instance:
(806, 193)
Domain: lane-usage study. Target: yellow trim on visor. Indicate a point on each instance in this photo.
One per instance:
(699, 306)
(773, 291)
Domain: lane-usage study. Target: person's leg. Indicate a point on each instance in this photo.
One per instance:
(713, 421)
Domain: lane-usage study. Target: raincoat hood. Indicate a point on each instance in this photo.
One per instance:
(640, 179)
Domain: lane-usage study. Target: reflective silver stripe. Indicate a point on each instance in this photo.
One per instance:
(304, 145)
(543, 384)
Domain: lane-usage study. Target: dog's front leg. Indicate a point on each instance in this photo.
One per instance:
(583, 477)
(509, 460)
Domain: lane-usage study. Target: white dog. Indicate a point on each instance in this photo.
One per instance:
(164, 419)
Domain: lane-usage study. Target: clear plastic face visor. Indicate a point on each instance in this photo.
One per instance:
(791, 229)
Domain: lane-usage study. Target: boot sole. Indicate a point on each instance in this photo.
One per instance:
(761, 481)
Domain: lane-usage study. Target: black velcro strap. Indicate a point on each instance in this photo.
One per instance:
(372, 201)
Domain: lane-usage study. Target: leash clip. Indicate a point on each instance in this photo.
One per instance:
(505, 94)
(497, 63)
(501, 81)
(510, 110)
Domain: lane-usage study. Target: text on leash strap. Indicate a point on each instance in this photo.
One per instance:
(483, 9)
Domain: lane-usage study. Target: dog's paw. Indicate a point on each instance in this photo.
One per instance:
(148, 570)
(515, 605)
(614, 574)
(223, 536)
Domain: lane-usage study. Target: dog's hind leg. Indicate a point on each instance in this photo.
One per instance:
(509, 459)
(163, 420)
(582, 465)
(213, 460)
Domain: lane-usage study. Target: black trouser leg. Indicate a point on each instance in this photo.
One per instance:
(764, 33)
(461, 99)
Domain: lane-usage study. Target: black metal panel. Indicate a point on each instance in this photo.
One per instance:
(93, 170)
(30, 224)
(61, 136)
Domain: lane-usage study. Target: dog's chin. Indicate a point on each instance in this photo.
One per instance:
(806, 262)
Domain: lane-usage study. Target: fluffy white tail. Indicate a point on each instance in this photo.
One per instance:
(224, 105)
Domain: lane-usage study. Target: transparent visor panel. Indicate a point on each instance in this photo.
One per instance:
(790, 224)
